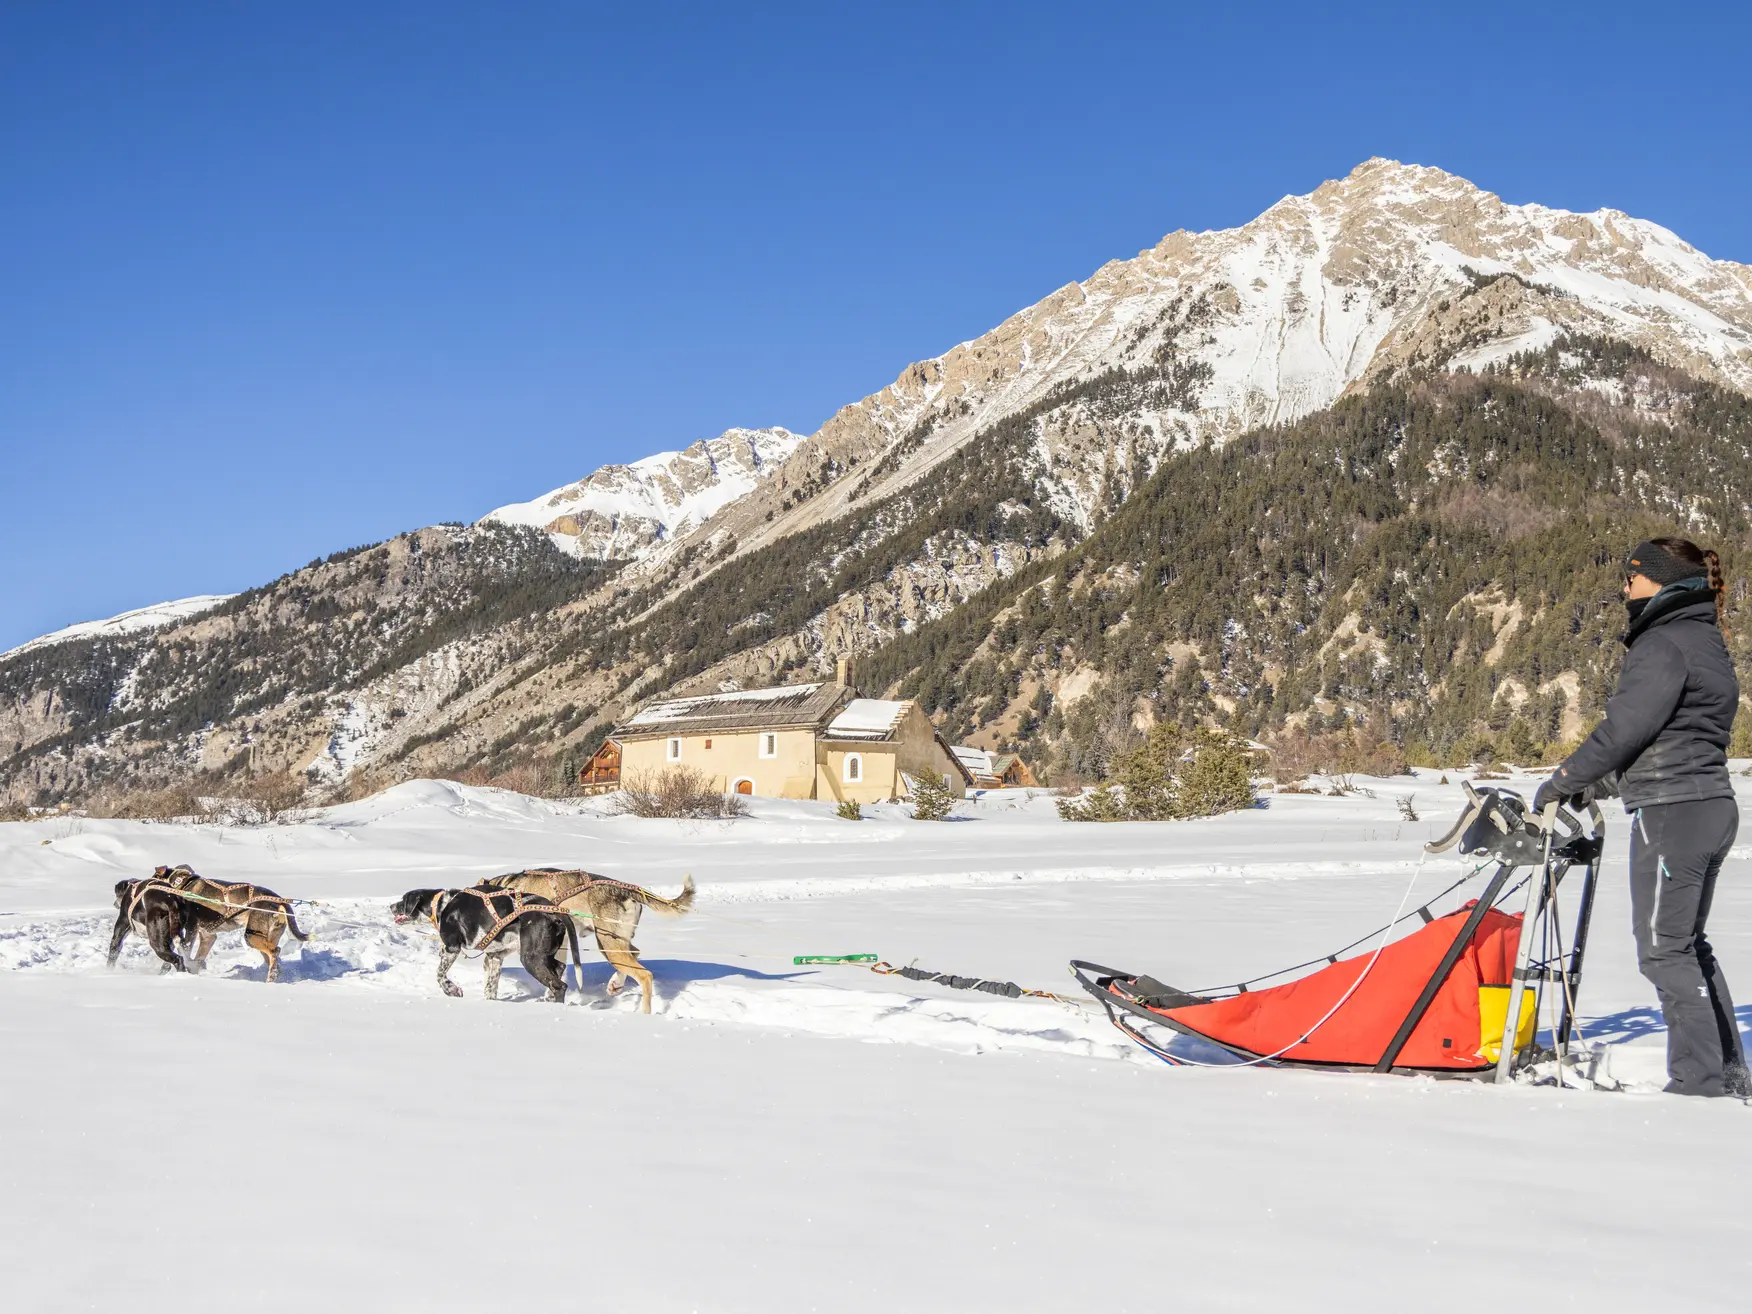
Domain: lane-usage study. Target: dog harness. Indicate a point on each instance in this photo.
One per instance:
(522, 904)
(140, 891)
(176, 878)
(585, 880)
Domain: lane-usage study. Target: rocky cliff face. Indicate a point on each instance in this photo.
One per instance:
(624, 512)
(760, 554)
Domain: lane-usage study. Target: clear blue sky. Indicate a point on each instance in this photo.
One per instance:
(276, 279)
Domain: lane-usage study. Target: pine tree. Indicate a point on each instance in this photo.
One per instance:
(932, 798)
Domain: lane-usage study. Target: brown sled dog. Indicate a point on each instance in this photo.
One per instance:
(612, 909)
(258, 912)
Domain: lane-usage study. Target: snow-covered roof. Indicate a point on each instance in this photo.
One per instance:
(741, 709)
(974, 759)
(676, 708)
(866, 718)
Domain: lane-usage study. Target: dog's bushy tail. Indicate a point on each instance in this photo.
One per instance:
(681, 903)
(292, 925)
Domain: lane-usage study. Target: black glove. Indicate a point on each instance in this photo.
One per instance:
(1548, 793)
(1575, 800)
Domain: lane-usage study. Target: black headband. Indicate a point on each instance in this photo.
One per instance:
(1652, 560)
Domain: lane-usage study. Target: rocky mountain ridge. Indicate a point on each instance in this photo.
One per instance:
(625, 512)
(759, 556)
(1269, 322)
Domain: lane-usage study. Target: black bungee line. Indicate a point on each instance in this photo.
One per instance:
(1008, 989)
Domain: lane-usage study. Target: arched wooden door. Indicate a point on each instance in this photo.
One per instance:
(745, 786)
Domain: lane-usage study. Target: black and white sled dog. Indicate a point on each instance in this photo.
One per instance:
(160, 916)
(494, 922)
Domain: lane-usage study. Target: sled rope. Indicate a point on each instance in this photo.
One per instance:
(276, 905)
(187, 873)
(1422, 910)
(1386, 933)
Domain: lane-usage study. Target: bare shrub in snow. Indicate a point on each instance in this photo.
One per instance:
(173, 803)
(360, 785)
(677, 791)
(539, 778)
(1339, 755)
(278, 796)
(468, 776)
(273, 799)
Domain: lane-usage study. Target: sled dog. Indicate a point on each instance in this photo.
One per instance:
(263, 916)
(612, 909)
(495, 923)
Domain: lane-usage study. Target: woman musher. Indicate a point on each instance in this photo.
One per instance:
(1662, 748)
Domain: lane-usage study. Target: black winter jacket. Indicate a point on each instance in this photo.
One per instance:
(1664, 738)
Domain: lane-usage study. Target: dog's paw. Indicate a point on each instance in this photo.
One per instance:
(453, 990)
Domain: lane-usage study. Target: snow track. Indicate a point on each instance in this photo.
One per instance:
(1193, 900)
(355, 947)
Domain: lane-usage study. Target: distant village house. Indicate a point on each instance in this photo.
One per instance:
(818, 741)
(989, 770)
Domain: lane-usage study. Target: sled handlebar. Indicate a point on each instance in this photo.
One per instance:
(1508, 811)
(1556, 815)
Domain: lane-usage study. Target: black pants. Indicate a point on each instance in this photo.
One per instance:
(1676, 851)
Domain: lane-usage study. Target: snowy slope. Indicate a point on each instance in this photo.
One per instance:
(623, 511)
(129, 622)
(739, 1151)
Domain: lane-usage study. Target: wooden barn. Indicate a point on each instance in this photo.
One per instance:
(601, 774)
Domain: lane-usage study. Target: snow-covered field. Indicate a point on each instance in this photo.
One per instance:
(783, 1138)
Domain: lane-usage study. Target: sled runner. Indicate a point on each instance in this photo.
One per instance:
(1434, 1001)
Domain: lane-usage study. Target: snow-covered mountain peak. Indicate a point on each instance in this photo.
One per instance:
(1394, 266)
(129, 622)
(627, 511)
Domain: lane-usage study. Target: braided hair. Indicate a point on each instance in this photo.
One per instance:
(1707, 561)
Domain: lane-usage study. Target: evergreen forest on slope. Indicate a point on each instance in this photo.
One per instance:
(1438, 560)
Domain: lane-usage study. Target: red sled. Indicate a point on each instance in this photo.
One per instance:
(1435, 1001)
